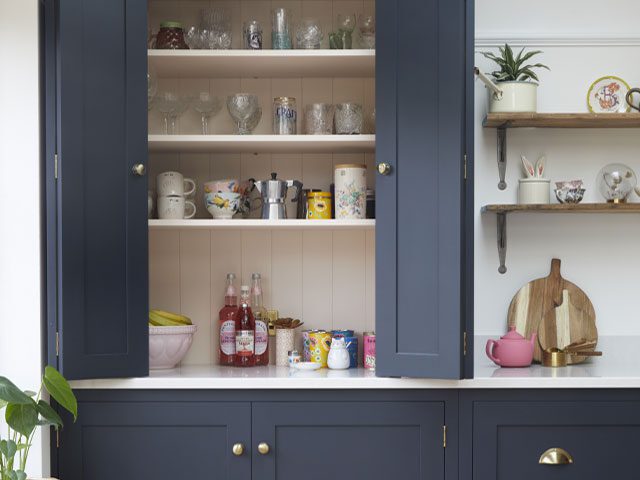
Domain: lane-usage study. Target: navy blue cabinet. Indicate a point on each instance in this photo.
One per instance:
(347, 440)
(96, 215)
(423, 224)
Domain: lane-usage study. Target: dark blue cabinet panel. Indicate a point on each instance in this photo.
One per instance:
(423, 117)
(347, 440)
(157, 440)
(102, 272)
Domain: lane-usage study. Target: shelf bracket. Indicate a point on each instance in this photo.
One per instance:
(502, 156)
(502, 241)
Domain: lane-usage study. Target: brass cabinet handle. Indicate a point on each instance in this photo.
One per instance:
(138, 169)
(237, 449)
(384, 168)
(263, 448)
(555, 456)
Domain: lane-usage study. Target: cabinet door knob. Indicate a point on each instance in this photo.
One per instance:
(237, 449)
(384, 168)
(555, 456)
(263, 448)
(138, 169)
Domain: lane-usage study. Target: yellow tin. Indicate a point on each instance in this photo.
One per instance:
(319, 344)
(319, 205)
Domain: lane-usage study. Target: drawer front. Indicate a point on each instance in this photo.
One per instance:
(601, 438)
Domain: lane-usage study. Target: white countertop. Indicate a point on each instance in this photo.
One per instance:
(619, 367)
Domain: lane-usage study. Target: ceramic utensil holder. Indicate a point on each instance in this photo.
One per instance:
(533, 191)
(285, 342)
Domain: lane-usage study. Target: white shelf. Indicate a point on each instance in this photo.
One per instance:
(262, 143)
(262, 63)
(241, 224)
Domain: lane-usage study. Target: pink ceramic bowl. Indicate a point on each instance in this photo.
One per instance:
(169, 345)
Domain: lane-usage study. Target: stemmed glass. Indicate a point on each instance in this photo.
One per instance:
(152, 86)
(171, 106)
(245, 109)
(207, 106)
(367, 27)
(346, 25)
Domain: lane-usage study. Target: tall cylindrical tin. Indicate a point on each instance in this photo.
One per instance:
(350, 198)
(285, 116)
(369, 350)
(306, 342)
(319, 344)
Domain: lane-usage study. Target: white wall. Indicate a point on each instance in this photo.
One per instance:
(598, 252)
(20, 330)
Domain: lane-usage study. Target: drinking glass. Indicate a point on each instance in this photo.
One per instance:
(207, 106)
(367, 28)
(152, 85)
(318, 119)
(309, 34)
(280, 35)
(344, 38)
(193, 37)
(171, 106)
(245, 110)
(348, 118)
(216, 22)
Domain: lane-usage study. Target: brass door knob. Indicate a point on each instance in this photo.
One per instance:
(138, 169)
(237, 449)
(384, 168)
(263, 448)
(555, 456)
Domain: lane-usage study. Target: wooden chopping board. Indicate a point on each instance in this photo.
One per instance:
(567, 324)
(538, 297)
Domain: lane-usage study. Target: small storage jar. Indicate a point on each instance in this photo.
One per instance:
(350, 199)
(171, 37)
(533, 191)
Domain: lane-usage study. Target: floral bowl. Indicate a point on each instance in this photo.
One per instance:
(169, 345)
(222, 205)
(569, 195)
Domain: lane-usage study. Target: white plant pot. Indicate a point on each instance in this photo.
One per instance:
(516, 97)
(533, 191)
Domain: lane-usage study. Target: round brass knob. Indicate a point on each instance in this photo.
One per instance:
(238, 449)
(384, 168)
(263, 448)
(138, 169)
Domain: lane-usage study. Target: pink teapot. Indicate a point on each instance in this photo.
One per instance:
(512, 350)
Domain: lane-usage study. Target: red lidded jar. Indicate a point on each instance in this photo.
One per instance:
(171, 37)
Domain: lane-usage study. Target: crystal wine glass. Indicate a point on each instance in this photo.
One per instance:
(245, 109)
(207, 106)
(367, 28)
(171, 106)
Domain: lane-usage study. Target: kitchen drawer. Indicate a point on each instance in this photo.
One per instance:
(601, 437)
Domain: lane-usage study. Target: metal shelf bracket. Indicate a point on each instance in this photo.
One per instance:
(502, 241)
(502, 156)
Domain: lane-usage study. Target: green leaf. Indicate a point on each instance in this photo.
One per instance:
(8, 449)
(12, 475)
(22, 418)
(20, 475)
(30, 393)
(12, 394)
(48, 414)
(60, 390)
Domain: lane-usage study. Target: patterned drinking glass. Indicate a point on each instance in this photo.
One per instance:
(348, 118)
(207, 106)
(318, 119)
(245, 110)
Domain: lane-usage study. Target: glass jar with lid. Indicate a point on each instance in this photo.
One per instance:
(285, 116)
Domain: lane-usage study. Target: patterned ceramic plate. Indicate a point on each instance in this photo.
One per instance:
(607, 95)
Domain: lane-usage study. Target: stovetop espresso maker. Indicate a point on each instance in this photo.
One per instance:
(274, 193)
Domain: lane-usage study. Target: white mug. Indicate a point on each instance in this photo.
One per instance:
(173, 183)
(173, 208)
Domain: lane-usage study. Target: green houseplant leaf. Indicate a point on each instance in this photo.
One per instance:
(8, 449)
(48, 414)
(9, 393)
(511, 67)
(22, 418)
(60, 390)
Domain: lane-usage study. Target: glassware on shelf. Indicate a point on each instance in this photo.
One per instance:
(245, 110)
(193, 37)
(367, 28)
(207, 106)
(152, 85)
(348, 118)
(171, 106)
(343, 38)
(171, 37)
(252, 35)
(216, 22)
(615, 182)
(318, 119)
(309, 34)
(285, 116)
(280, 35)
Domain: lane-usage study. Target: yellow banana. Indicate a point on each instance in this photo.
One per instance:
(160, 321)
(172, 316)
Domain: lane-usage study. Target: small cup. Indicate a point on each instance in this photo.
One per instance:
(174, 208)
(171, 184)
(222, 205)
(227, 185)
(533, 191)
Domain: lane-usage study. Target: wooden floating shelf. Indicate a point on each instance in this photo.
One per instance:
(566, 208)
(262, 63)
(262, 143)
(562, 120)
(211, 224)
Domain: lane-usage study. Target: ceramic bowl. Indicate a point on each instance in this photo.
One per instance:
(169, 345)
(222, 205)
(569, 195)
(226, 185)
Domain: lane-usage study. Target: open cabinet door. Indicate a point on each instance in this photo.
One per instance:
(423, 233)
(99, 237)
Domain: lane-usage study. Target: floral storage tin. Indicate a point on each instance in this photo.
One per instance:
(350, 191)
(319, 205)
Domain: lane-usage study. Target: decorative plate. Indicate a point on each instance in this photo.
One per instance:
(607, 95)
(307, 365)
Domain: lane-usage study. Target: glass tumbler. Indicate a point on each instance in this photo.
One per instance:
(280, 35)
(309, 34)
(348, 118)
(318, 119)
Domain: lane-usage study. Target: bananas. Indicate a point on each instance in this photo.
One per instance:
(160, 318)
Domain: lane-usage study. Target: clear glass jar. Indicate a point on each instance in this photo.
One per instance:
(285, 116)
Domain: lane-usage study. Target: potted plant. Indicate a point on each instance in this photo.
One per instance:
(517, 87)
(24, 412)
